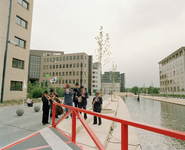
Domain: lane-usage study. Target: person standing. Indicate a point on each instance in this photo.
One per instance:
(97, 102)
(76, 94)
(53, 95)
(83, 100)
(68, 93)
(45, 108)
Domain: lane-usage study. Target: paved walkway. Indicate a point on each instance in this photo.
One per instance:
(13, 127)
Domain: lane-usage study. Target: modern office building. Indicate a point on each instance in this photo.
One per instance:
(172, 73)
(107, 82)
(35, 61)
(96, 77)
(14, 50)
(67, 68)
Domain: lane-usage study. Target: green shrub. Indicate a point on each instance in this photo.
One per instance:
(38, 92)
(60, 91)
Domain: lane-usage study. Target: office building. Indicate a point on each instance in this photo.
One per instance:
(108, 83)
(96, 77)
(171, 73)
(67, 68)
(17, 47)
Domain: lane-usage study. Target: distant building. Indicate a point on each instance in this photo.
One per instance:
(66, 67)
(96, 77)
(107, 82)
(18, 49)
(172, 73)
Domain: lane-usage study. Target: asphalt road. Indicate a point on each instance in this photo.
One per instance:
(13, 127)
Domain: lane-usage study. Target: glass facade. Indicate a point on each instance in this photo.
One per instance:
(34, 67)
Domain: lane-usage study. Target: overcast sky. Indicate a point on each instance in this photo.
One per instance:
(142, 32)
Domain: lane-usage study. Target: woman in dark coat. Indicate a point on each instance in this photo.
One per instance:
(45, 108)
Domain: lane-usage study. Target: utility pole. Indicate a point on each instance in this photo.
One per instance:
(6, 49)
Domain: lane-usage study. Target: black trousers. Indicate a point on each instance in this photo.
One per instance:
(45, 115)
(83, 106)
(95, 118)
(76, 103)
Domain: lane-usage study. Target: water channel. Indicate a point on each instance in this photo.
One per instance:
(161, 114)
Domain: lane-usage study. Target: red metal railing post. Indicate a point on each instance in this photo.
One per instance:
(73, 126)
(53, 114)
(124, 136)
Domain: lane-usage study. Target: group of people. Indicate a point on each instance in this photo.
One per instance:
(78, 96)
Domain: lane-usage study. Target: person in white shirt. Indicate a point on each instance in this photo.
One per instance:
(29, 102)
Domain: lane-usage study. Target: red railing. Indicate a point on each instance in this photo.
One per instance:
(124, 126)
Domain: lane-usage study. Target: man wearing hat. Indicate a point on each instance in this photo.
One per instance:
(76, 94)
(68, 93)
(45, 108)
(97, 102)
(83, 100)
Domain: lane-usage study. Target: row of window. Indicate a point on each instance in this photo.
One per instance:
(179, 71)
(65, 73)
(172, 89)
(63, 66)
(63, 58)
(178, 63)
(172, 81)
(70, 81)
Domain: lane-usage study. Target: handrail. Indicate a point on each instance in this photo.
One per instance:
(124, 126)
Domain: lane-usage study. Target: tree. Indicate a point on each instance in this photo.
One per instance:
(152, 88)
(102, 54)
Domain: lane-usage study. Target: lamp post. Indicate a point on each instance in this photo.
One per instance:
(6, 49)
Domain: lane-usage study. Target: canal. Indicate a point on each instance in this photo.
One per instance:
(161, 114)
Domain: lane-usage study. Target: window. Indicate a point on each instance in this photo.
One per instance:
(44, 67)
(56, 73)
(81, 56)
(16, 63)
(63, 65)
(70, 65)
(77, 73)
(84, 81)
(47, 66)
(70, 73)
(73, 73)
(77, 65)
(50, 59)
(47, 59)
(60, 66)
(50, 66)
(63, 74)
(70, 57)
(66, 65)
(56, 66)
(53, 59)
(69, 81)
(21, 22)
(66, 73)
(77, 80)
(53, 73)
(63, 58)
(81, 65)
(21, 43)
(53, 66)
(66, 81)
(44, 74)
(16, 86)
(57, 59)
(74, 57)
(60, 58)
(67, 58)
(78, 57)
(23, 3)
(73, 65)
(85, 73)
(73, 81)
(59, 73)
(62, 81)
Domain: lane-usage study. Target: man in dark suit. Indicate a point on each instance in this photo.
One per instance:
(76, 94)
(83, 100)
(45, 108)
(53, 95)
(97, 102)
